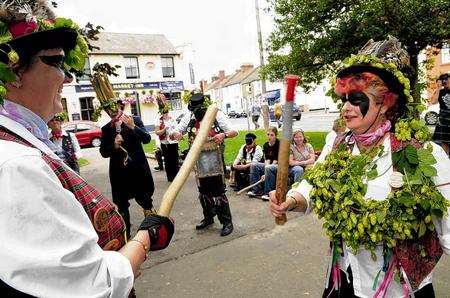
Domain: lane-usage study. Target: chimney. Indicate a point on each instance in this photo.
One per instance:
(246, 66)
(221, 74)
(203, 85)
(214, 78)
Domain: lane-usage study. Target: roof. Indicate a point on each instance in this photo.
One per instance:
(127, 43)
(215, 84)
(253, 76)
(238, 76)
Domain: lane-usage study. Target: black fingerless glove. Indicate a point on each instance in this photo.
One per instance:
(160, 229)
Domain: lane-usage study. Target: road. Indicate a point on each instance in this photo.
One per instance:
(310, 121)
(258, 259)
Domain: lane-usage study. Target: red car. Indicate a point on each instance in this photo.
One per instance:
(88, 133)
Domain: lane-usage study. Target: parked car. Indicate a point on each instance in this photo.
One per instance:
(88, 133)
(296, 113)
(232, 114)
(431, 114)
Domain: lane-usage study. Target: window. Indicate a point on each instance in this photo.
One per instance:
(70, 128)
(83, 127)
(175, 100)
(87, 107)
(168, 70)
(86, 71)
(445, 54)
(64, 105)
(131, 67)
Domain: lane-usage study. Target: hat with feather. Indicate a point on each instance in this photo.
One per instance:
(29, 26)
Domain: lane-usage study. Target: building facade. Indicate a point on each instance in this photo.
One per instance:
(148, 64)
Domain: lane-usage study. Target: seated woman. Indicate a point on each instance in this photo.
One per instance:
(302, 155)
(248, 154)
(270, 150)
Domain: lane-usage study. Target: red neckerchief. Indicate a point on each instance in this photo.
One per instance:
(116, 119)
(57, 134)
(250, 148)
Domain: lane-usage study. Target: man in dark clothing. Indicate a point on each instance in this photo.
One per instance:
(129, 172)
(257, 170)
(209, 169)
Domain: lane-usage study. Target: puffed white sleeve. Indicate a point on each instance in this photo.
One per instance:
(223, 121)
(182, 126)
(49, 247)
(442, 167)
(304, 188)
(76, 146)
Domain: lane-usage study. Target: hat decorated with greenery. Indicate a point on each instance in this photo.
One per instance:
(198, 100)
(163, 105)
(389, 60)
(61, 117)
(29, 26)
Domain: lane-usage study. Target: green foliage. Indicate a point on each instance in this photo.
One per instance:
(316, 139)
(338, 197)
(311, 35)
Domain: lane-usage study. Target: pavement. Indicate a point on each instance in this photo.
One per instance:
(259, 259)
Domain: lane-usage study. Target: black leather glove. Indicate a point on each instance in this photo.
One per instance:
(160, 229)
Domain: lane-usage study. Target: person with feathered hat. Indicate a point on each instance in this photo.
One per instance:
(382, 189)
(60, 236)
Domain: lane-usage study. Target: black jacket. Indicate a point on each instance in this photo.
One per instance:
(135, 178)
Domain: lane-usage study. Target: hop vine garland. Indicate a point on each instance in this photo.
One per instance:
(340, 183)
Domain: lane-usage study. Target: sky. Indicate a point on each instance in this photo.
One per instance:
(222, 33)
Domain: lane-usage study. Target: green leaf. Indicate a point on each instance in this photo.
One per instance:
(427, 170)
(6, 75)
(422, 229)
(426, 157)
(416, 178)
(411, 154)
(372, 174)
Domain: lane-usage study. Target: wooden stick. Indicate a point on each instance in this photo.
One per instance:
(194, 152)
(250, 186)
(285, 145)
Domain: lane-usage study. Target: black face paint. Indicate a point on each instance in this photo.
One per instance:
(199, 113)
(358, 99)
(248, 141)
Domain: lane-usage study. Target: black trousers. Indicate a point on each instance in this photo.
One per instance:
(213, 199)
(346, 288)
(159, 158)
(242, 177)
(144, 200)
(170, 153)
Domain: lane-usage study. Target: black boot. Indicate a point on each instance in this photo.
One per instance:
(227, 229)
(206, 222)
(125, 213)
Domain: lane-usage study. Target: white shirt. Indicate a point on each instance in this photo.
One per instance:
(364, 269)
(49, 246)
(76, 145)
(257, 155)
(222, 120)
(170, 125)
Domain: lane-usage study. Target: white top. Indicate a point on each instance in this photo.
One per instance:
(76, 145)
(222, 120)
(364, 269)
(170, 127)
(51, 248)
(257, 156)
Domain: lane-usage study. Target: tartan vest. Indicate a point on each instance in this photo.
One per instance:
(104, 217)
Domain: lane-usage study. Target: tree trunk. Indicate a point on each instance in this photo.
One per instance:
(265, 113)
(414, 60)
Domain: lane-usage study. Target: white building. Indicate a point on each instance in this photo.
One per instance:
(149, 64)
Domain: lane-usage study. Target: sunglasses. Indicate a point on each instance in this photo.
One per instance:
(54, 60)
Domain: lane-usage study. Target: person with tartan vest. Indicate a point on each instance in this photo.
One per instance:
(68, 148)
(211, 187)
(249, 153)
(60, 236)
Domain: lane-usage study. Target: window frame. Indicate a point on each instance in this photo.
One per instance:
(90, 107)
(163, 67)
(129, 68)
(445, 54)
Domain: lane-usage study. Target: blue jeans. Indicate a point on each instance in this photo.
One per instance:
(256, 171)
(295, 172)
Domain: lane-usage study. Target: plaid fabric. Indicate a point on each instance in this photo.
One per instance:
(110, 230)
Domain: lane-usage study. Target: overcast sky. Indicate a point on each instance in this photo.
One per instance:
(222, 32)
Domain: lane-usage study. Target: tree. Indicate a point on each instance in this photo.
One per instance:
(311, 36)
